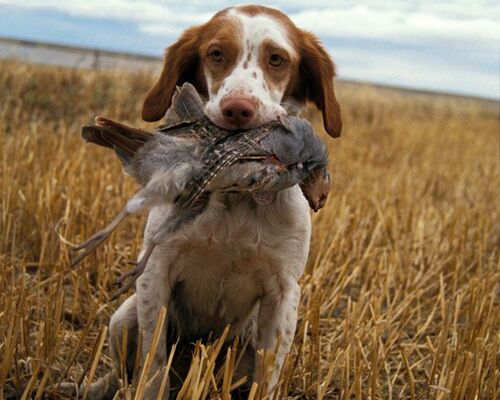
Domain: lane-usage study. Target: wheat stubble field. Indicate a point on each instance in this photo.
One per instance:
(400, 299)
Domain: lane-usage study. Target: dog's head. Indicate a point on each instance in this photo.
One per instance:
(248, 61)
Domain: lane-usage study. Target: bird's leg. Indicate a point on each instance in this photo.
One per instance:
(135, 272)
(170, 225)
(134, 205)
(99, 237)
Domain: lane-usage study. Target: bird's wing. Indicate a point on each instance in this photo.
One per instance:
(186, 110)
(222, 154)
(188, 103)
(123, 139)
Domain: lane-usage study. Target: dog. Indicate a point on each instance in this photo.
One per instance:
(238, 264)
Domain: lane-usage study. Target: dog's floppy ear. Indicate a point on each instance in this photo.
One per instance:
(180, 65)
(315, 82)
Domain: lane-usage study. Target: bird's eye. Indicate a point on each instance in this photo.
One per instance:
(216, 55)
(276, 60)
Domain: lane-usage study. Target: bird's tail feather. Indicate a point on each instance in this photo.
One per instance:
(123, 139)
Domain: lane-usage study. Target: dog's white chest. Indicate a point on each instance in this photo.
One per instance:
(213, 289)
(219, 265)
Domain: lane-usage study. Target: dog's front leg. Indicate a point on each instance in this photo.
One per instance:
(153, 292)
(276, 325)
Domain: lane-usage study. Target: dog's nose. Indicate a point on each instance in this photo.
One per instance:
(238, 111)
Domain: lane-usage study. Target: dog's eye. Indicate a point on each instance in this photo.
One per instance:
(276, 60)
(216, 55)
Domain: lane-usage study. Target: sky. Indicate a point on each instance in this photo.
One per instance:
(451, 46)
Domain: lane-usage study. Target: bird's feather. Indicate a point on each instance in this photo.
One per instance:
(123, 139)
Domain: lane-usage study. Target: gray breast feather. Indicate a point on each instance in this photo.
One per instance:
(162, 153)
(192, 139)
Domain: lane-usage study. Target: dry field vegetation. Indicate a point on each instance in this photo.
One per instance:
(400, 297)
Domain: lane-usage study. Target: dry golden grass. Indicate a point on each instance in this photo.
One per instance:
(400, 297)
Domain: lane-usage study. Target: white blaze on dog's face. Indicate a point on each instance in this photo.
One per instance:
(246, 83)
(247, 61)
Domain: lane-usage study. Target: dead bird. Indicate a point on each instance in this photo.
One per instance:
(304, 158)
(274, 157)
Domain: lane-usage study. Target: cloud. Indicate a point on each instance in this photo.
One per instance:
(440, 72)
(443, 45)
(452, 23)
(441, 25)
(149, 16)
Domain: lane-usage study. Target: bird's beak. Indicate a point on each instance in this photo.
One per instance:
(318, 203)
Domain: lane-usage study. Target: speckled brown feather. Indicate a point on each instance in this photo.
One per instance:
(289, 142)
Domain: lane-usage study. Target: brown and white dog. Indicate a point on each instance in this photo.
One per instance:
(239, 263)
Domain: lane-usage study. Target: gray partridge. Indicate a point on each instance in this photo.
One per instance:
(273, 157)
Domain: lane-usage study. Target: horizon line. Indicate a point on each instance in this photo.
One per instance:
(152, 58)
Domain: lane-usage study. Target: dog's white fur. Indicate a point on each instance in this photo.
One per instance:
(237, 264)
(248, 79)
(235, 258)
